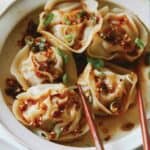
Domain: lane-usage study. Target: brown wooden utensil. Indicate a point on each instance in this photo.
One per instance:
(143, 122)
(90, 120)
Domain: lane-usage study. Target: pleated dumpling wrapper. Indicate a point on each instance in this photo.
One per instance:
(41, 61)
(122, 36)
(109, 89)
(51, 111)
(71, 23)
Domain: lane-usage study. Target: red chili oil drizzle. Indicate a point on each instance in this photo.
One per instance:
(13, 88)
(107, 138)
(105, 130)
(72, 99)
(31, 30)
(127, 126)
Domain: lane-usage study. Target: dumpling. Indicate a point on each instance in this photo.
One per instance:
(41, 61)
(109, 89)
(122, 36)
(51, 110)
(71, 23)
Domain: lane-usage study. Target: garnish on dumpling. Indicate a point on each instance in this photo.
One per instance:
(122, 36)
(110, 89)
(52, 111)
(40, 61)
(71, 23)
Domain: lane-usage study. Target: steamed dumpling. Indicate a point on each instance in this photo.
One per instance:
(71, 23)
(51, 110)
(110, 89)
(122, 36)
(42, 62)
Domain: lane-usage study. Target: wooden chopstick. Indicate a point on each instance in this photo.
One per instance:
(90, 120)
(143, 122)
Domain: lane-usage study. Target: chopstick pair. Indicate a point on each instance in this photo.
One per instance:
(90, 120)
(143, 122)
(93, 128)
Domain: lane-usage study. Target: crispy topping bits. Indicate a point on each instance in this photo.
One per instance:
(49, 18)
(117, 36)
(39, 44)
(96, 63)
(139, 43)
(13, 88)
(76, 16)
(127, 126)
(30, 32)
(57, 114)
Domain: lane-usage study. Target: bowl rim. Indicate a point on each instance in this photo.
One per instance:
(10, 19)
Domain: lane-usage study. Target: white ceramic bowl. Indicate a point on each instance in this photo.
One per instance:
(23, 135)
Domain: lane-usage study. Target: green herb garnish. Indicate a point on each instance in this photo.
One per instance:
(81, 14)
(96, 63)
(48, 19)
(65, 79)
(67, 21)
(139, 43)
(58, 131)
(63, 55)
(69, 37)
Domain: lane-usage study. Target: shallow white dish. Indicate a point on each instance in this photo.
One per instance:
(23, 135)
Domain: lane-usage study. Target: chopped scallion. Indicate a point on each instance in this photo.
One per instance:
(139, 43)
(67, 21)
(69, 37)
(48, 19)
(96, 63)
(81, 14)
